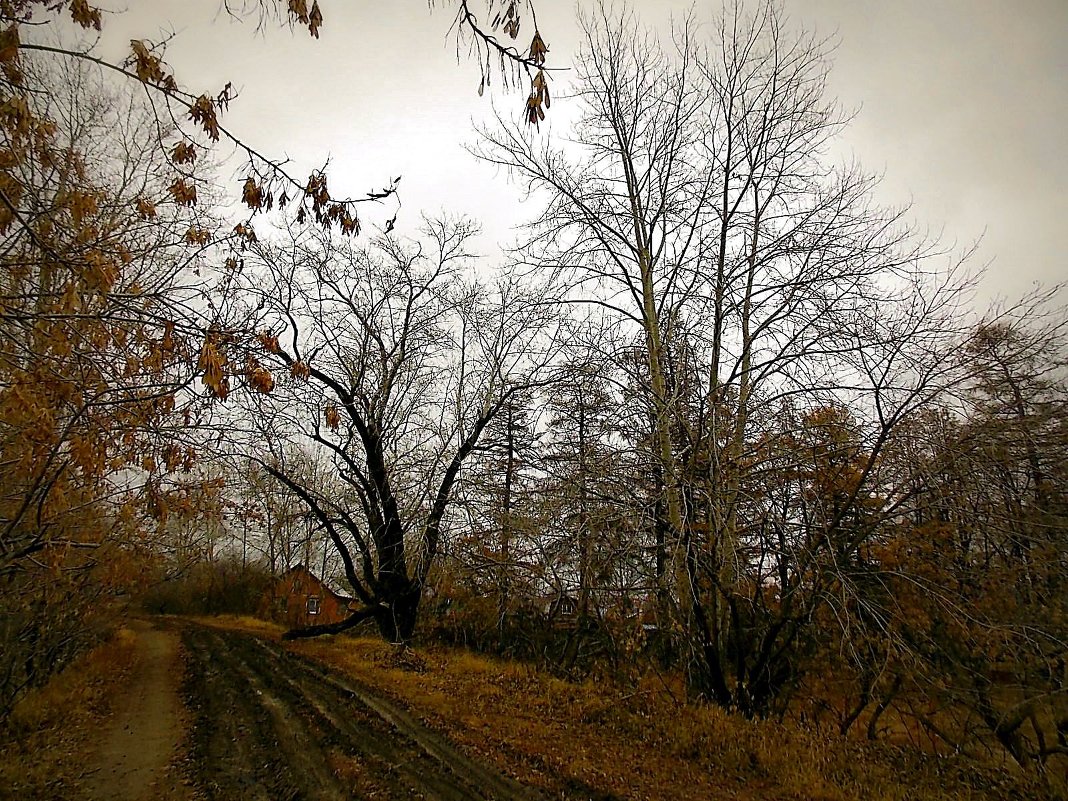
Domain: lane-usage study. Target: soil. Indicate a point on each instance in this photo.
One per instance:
(219, 715)
(268, 725)
(137, 752)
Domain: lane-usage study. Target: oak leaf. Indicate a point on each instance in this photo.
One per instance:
(147, 65)
(202, 112)
(245, 231)
(85, 15)
(252, 194)
(197, 236)
(145, 208)
(261, 380)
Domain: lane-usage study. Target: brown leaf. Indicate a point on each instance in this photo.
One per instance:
(184, 193)
(145, 208)
(85, 15)
(213, 364)
(202, 111)
(9, 44)
(225, 96)
(268, 341)
(146, 64)
(538, 49)
(299, 9)
(333, 419)
(197, 236)
(252, 194)
(261, 380)
(184, 153)
(245, 231)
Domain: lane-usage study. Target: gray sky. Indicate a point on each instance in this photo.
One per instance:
(964, 107)
(962, 104)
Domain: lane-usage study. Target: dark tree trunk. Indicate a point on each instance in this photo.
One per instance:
(396, 619)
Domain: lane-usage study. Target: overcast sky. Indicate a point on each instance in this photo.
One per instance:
(962, 104)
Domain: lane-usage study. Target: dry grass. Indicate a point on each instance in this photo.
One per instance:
(44, 744)
(589, 740)
(599, 740)
(243, 623)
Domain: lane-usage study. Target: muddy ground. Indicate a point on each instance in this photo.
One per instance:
(267, 725)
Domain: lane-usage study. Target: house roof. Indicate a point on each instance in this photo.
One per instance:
(332, 587)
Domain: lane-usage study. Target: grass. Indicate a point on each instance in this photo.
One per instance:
(608, 741)
(243, 623)
(593, 739)
(44, 743)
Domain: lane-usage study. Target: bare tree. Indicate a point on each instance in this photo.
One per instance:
(694, 202)
(392, 361)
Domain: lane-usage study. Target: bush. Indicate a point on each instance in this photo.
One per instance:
(211, 588)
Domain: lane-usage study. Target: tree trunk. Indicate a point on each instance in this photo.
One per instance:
(396, 620)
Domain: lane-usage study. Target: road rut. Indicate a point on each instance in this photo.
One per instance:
(267, 724)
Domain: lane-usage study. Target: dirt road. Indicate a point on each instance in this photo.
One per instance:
(136, 753)
(266, 725)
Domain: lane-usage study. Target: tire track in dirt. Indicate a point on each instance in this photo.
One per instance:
(271, 725)
(351, 723)
(293, 737)
(233, 752)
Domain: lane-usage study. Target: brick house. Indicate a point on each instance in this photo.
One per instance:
(300, 598)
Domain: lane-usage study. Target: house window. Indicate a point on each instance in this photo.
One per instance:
(313, 604)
